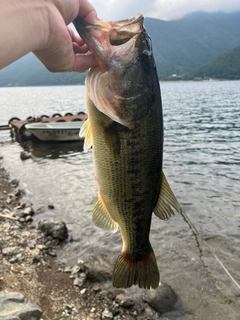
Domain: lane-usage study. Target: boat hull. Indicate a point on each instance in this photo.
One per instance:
(67, 131)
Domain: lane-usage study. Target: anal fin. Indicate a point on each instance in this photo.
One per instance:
(86, 131)
(101, 217)
(166, 201)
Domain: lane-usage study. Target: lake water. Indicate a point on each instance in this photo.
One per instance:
(201, 162)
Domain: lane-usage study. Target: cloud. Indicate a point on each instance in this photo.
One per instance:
(171, 9)
(121, 9)
(161, 9)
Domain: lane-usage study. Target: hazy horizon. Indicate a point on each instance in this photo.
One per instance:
(160, 9)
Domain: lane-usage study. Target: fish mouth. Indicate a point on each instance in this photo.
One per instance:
(120, 85)
(104, 38)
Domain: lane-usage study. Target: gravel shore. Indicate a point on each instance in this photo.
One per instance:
(29, 266)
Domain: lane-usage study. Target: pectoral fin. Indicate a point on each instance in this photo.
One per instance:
(101, 217)
(166, 201)
(86, 131)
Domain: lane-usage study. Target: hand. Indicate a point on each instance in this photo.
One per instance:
(40, 26)
(62, 49)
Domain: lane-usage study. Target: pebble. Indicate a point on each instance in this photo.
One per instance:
(14, 183)
(83, 291)
(28, 219)
(10, 251)
(36, 259)
(81, 280)
(13, 260)
(41, 246)
(7, 225)
(25, 155)
(52, 253)
(112, 293)
(96, 287)
(32, 243)
(28, 211)
(75, 269)
(107, 315)
(19, 213)
(67, 269)
(114, 309)
(124, 301)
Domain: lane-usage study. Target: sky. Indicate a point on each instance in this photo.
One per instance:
(160, 9)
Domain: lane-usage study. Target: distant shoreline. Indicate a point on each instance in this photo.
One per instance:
(82, 84)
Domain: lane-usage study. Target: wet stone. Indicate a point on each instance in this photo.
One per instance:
(57, 230)
(14, 183)
(162, 299)
(24, 155)
(99, 268)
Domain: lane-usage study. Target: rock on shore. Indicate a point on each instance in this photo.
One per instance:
(13, 307)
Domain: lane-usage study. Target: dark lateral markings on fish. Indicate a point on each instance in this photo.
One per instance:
(125, 128)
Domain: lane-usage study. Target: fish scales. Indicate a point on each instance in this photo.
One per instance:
(126, 132)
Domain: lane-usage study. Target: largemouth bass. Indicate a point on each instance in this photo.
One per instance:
(125, 128)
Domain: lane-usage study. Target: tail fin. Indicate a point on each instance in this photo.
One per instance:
(143, 273)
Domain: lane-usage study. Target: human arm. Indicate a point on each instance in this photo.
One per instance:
(40, 26)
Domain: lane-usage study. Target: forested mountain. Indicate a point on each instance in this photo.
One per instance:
(180, 47)
(226, 66)
(29, 71)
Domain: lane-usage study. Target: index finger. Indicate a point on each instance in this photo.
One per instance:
(72, 8)
(87, 12)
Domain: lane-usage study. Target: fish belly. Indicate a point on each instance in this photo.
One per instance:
(128, 168)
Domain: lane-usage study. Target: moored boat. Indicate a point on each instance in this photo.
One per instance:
(44, 128)
(55, 131)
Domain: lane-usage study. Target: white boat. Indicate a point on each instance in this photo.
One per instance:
(56, 131)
